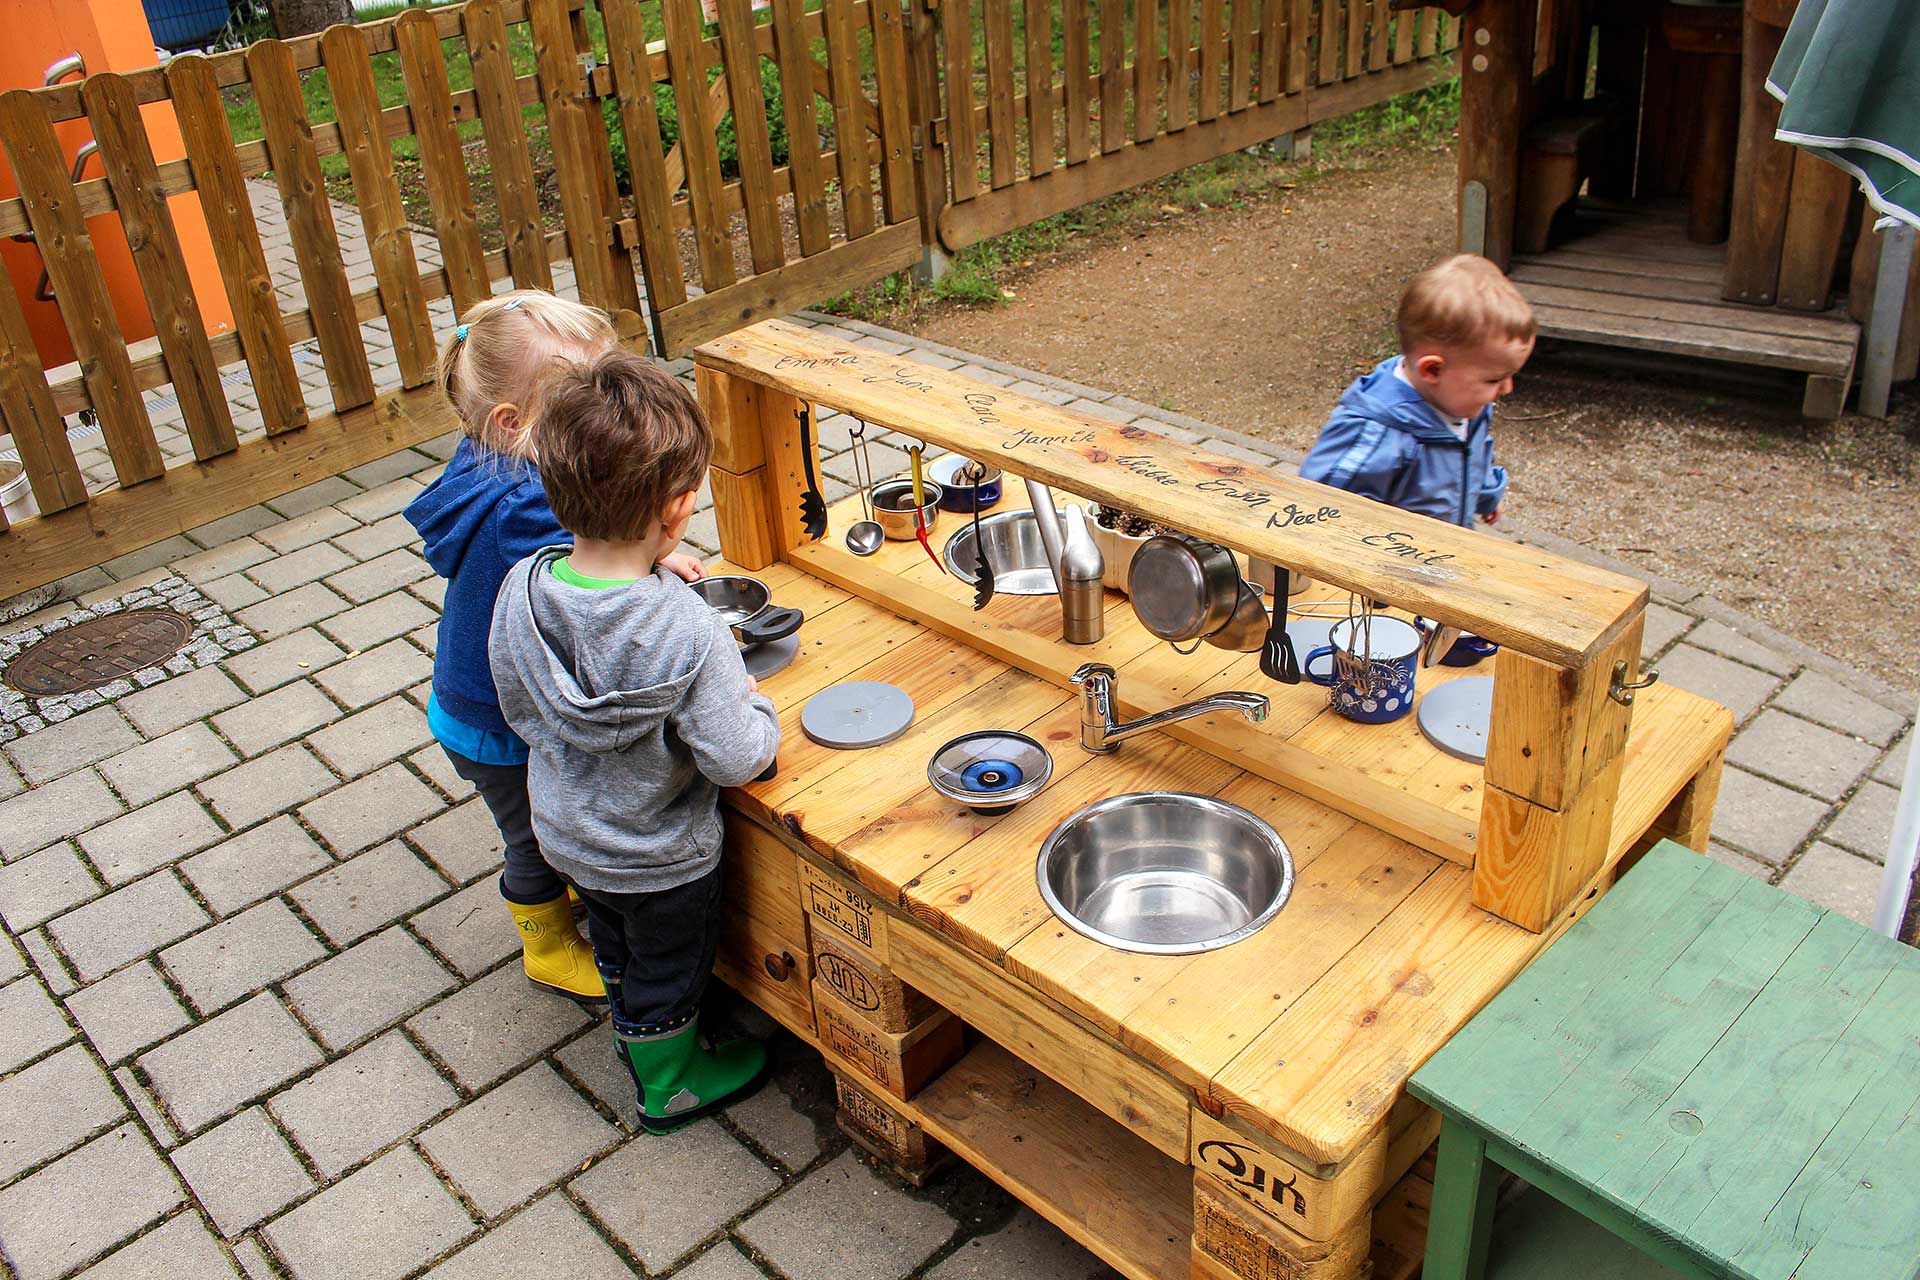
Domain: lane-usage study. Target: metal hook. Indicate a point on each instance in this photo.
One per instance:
(1621, 690)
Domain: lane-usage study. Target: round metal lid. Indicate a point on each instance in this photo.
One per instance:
(990, 767)
(1168, 588)
(772, 657)
(98, 652)
(859, 713)
(1454, 717)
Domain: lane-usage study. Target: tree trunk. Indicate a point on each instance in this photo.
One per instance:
(303, 17)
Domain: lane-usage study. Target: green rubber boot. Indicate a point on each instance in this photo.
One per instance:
(676, 1081)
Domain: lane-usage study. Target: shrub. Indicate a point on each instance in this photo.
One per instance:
(729, 143)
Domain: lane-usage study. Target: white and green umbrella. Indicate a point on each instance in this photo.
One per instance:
(1848, 80)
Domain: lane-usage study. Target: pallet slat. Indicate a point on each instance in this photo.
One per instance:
(316, 244)
(38, 433)
(128, 158)
(423, 67)
(39, 165)
(856, 174)
(803, 129)
(382, 213)
(502, 123)
(236, 244)
(997, 23)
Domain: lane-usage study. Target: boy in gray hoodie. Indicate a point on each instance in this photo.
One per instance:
(636, 710)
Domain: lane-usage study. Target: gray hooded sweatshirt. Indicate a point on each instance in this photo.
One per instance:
(634, 705)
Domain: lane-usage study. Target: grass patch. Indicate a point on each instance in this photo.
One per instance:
(983, 274)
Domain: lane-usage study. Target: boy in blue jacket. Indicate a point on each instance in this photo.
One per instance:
(1417, 431)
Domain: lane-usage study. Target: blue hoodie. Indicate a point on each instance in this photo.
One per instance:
(483, 515)
(1384, 441)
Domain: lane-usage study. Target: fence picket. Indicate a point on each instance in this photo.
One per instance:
(382, 214)
(963, 140)
(236, 244)
(897, 194)
(1039, 86)
(1113, 67)
(997, 20)
(316, 245)
(27, 405)
(1299, 28)
(1273, 45)
(423, 67)
(1212, 55)
(504, 126)
(1378, 50)
(849, 105)
(742, 64)
(128, 157)
(699, 149)
(1327, 50)
(60, 234)
(1449, 30)
(803, 128)
(1079, 58)
(1428, 39)
(1179, 64)
(1240, 61)
(1146, 69)
(1402, 36)
(578, 160)
(1356, 38)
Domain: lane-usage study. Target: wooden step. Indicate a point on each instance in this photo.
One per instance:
(1833, 328)
(1711, 342)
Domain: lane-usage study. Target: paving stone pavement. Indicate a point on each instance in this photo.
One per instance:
(255, 952)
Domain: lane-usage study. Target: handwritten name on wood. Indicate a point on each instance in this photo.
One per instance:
(1557, 610)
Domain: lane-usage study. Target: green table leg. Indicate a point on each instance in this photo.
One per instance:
(1464, 1181)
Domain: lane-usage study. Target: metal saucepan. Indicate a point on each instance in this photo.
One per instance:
(1184, 588)
(893, 506)
(957, 482)
(745, 605)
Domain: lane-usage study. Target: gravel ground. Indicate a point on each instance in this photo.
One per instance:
(1255, 318)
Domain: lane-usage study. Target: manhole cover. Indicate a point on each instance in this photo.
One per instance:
(90, 654)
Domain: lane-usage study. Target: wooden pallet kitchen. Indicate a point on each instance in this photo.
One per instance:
(1231, 1115)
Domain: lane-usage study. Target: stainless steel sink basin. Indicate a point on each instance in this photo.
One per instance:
(1165, 872)
(1014, 552)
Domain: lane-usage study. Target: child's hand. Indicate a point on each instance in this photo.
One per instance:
(753, 686)
(684, 566)
(1493, 516)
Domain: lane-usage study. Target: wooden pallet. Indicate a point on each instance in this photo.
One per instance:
(1631, 279)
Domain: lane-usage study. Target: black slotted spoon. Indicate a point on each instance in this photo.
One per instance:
(813, 507)
(983, 572)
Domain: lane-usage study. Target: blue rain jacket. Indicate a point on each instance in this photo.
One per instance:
(482, 516)
(1385, 442)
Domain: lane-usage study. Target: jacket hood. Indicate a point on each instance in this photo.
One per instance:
(1384, 396)
(456, 509)
(603, 668)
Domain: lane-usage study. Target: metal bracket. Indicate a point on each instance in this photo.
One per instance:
(1621, 690)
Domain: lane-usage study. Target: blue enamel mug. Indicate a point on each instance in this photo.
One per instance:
(1393, 654)
(1467, 651)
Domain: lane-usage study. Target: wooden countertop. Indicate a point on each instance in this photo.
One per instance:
(1306, 1031)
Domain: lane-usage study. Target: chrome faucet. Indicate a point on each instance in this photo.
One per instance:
(1100, 732)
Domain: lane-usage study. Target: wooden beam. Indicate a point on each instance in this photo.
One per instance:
(1495, 77)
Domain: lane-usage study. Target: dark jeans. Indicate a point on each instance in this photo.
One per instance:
(503, 788)
(655, 951)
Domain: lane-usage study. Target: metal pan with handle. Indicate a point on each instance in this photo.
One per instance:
(746, 606)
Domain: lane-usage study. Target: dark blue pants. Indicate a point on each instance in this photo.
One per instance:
(503, 789)
(655, 951)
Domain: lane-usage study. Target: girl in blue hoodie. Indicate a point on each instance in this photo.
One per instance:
(487, 511)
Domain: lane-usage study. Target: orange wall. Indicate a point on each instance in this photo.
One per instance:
(112, 35)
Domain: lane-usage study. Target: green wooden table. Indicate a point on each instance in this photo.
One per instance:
(1721, 1075)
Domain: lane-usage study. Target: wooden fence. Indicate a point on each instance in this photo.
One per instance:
(862, 188)
(1052, 103)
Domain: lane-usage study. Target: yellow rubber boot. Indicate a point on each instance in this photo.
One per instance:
(556, 956)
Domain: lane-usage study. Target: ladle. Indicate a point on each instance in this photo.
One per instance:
(864, 537)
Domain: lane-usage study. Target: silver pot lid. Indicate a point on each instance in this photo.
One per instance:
(990, 768)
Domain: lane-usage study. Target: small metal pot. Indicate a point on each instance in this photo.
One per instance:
(1246, 630)
(893, 506)
(1183, 588)
(745, 605)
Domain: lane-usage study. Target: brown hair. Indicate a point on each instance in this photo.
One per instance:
(504, 347)
(1462, 302)
(618, 439)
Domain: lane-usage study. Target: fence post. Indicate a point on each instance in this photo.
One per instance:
(929, 154)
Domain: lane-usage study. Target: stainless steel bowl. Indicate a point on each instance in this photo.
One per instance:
(1014, 553)
(893, 506)
(1165, 872)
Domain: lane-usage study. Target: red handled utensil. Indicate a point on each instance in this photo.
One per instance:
(920, 507)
